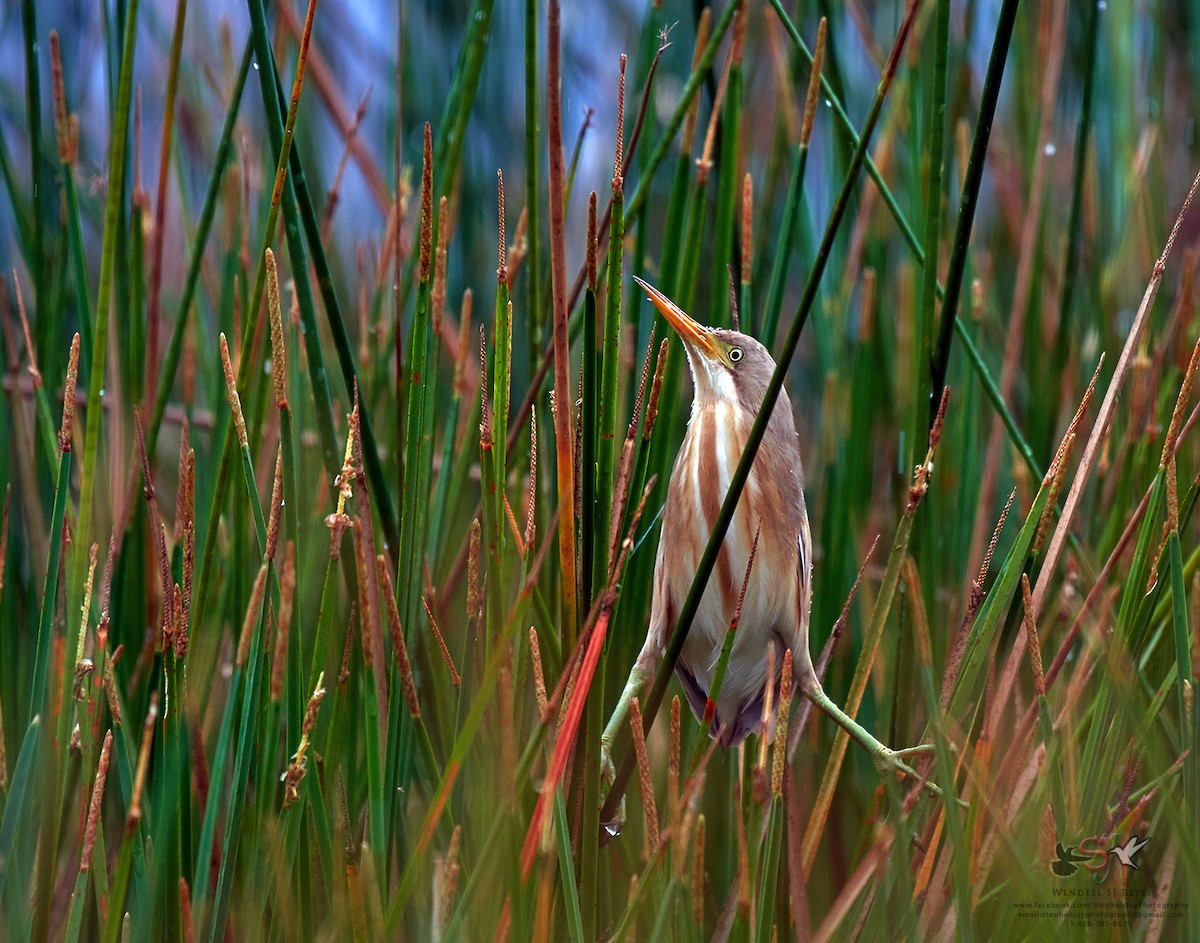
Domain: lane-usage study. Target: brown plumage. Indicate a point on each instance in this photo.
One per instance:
(730, 372)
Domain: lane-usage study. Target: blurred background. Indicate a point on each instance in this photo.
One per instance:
(1091, 153)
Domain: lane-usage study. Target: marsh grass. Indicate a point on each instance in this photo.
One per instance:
(309, 629)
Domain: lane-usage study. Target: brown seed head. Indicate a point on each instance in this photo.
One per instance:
(94, 807)
(618, 180)
(66, 126)
(278, 342)
(64, 436)
(814, 85)
(231, 393)
(426, 205)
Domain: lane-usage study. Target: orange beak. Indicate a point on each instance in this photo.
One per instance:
(690, 330)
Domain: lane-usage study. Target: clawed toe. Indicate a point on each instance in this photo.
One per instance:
(888, 762)
(612, 828)
(918, 750)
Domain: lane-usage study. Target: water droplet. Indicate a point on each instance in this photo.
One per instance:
(256, 67)
(102, 391)
(1051, 150)
(1102, 6)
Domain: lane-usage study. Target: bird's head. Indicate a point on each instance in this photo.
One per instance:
(726, 365)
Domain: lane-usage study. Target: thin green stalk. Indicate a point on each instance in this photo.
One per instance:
(131, 860)
(589, 529)
(131, 355)
(376, 803)
(933, 218)
(464, 460)
(243, 759)
(208, 827)
(953, 816)
(1183, 636)
(398, 753)
(208, 210)
(566, 868)
(116, 190)
(783, 247)
(994, 608)
(33, 118)
(769, 872)
(74, 228)
(536, 317)
(15, 799)
(609, 445)
(21, 221)
(1062, 336)
(972, 182)
(501, 382)
(728, 182)
(447, 496)
(564, 419)
(154, 306)
(45, 636)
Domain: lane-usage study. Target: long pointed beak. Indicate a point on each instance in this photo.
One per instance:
(690, 330)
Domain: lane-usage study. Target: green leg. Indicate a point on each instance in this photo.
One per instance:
(639, 674)
(887, 761)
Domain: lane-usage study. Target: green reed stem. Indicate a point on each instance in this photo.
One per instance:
(33, 118)
(972, 182)
(108, 256)
(166, 378)
(1070, 275)
(244, 758)
(728, 193)
(608, 448)
(783, 247)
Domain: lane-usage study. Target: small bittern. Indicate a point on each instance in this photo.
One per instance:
(730, 373)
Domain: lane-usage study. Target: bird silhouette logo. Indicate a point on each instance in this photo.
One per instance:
(1091, 848)
(1126, 852)
(1065, 865)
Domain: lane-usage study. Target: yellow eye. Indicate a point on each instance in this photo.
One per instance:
(735, 354)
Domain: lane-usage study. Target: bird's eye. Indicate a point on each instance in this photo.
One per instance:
(735, 354)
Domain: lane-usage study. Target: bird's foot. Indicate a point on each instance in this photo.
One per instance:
(889, 762)
(608, 774)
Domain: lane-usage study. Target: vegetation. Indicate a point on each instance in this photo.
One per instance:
(331, 508)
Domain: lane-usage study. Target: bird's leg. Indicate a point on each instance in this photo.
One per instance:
(887, 761)
(638, 675)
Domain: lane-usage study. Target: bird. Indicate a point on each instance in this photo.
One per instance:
(730, 373)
